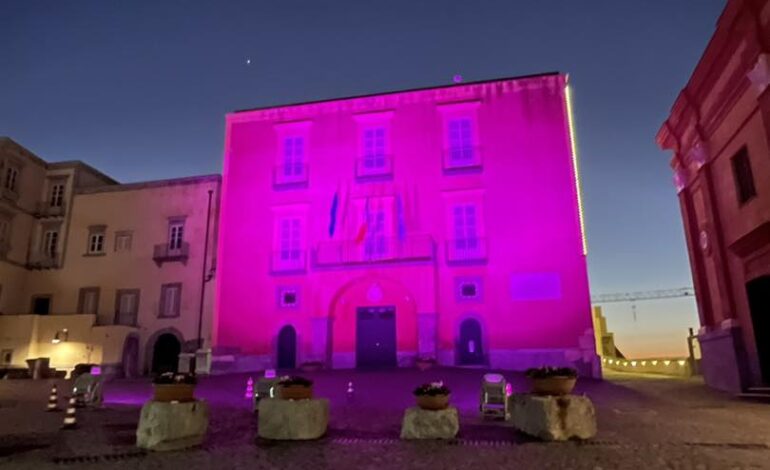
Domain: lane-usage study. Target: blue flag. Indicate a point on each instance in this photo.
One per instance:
(333, 215)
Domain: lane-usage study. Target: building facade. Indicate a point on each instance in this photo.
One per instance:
(442, 222)
(719, 132)
(99, 272)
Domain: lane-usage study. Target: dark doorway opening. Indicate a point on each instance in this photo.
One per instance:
(470, 348)
(376, 337)
(165, 354)
(758, 292)
(287, 348)
(131, 357)
(41, 305)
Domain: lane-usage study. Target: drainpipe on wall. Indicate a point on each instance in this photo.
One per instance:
(204, 277)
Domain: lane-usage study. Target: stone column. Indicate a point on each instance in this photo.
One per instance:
(427, 334)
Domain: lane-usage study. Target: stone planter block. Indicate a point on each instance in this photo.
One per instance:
(172, 426)
(430, 424)
(554, 418)
(293, 419)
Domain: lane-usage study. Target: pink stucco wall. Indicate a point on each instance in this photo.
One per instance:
(533, 299)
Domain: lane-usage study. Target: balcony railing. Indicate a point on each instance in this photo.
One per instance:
(375, 250)
(9, 194)
(45, 210)
(165, 252)
(289, 261)
(43, 260)
(466, 250)
(462, 158)
(375, 166)
(125, 318)
(289, 175)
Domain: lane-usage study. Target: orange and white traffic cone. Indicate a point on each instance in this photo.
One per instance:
(70, 420)
(53, 399)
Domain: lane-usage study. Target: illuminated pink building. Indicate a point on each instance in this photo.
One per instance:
(441, 222)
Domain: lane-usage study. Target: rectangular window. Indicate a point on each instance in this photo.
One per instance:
(744, 178)
(11, 178)
(175, 236)
(465, 228)
(126, 306)
(56, 198)
(376, 245)
(123, 241)
(50, 243)
(374, 148)
(293, 156)
(290, 240)
(88, 300)
(170, 298)
(96, 240)
(460, 140)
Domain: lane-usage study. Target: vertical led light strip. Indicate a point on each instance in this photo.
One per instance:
(573, 145)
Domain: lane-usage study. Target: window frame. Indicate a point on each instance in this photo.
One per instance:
(176, 234)
(743, 176)
(82, 299)
(129, 235)
(177, 307)
(119, 293)
(96, 243)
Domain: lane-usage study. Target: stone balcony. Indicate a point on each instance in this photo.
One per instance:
(375, 250)
(10, 195)
(164, 253)
(45, 210)
(41, 260)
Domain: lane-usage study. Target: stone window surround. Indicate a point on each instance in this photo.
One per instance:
(460, 281)
(118, 294)
(124, 233)
(96, 230)
(281, 291)
(177, 304)
(82, 297)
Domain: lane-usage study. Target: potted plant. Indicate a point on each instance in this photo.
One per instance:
(311, 366)
(425, 363)
(552, 380)
(432, 396)
(295, 388)
(171, 386)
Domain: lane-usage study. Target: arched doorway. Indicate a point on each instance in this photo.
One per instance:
(130, 359)
(165, 353)
(287, 348)
(469, 347)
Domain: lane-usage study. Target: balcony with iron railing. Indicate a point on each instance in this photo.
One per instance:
(374, 166)
(375, 250)
(45, 209)
(462, 159)
(289, 261)
(295, 174)
(43, 260)
(166, 252)
(466, 250)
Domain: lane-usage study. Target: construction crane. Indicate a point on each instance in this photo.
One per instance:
(634, 297)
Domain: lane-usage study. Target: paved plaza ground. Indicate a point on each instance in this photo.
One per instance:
(643, 422)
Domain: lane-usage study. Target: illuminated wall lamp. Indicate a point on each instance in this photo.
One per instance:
(60, 336)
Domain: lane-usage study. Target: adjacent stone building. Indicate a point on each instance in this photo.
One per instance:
(719, 132)
(96, 271)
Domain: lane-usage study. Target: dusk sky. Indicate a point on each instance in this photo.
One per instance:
(139, 90)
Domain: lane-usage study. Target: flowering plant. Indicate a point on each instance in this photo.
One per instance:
(169, 378)
(431, 389)
(548, 372)
(290, 380)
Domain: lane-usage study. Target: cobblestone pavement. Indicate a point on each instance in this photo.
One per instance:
(644, 423)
